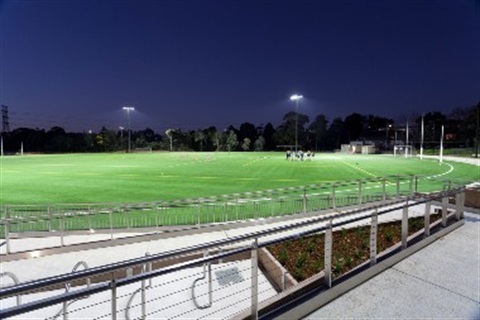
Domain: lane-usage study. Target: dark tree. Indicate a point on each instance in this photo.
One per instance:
(318, 132)
(354, 126)
(268, 133)
(285, 134)
(247, 131)
(336, 134)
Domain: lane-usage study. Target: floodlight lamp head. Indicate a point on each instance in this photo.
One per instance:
(128, 108)
(296, 97)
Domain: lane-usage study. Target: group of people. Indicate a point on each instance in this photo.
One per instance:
(299, 155)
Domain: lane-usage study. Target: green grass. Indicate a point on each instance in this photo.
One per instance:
(147, 177)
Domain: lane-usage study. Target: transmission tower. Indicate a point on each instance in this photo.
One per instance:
(5, 123)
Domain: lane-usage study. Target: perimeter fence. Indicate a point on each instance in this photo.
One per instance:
(111, 217)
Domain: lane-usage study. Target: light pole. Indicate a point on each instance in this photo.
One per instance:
(296, 98)
(121, 136)
(128, 109)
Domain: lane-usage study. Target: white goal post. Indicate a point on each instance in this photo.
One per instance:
(403, 150)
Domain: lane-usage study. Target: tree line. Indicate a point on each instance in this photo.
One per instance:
(461, 130)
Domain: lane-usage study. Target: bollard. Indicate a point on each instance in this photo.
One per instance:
(373, 238)
(328, 255)
(254, 297)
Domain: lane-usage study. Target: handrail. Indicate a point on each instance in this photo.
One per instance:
(194, 298)
(115, 283)
(49, 281)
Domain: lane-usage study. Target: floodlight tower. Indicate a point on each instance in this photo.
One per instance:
(296, 98)
(128, 110)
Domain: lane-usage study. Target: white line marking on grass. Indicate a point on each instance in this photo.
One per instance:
(359, 169)
(444, 173)
(121, 166)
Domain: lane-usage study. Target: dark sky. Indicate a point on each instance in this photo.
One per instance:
(191, 64)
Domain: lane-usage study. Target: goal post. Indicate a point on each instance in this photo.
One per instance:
(403, 150)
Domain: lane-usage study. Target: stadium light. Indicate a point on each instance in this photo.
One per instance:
(296, 98)
(128, 110)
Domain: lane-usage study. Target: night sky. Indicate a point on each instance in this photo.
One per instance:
(192, 64)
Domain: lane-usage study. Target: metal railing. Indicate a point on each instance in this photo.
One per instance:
(63, 219)
(238, 289)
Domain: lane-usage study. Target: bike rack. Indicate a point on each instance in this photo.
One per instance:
(145, 268)
(15, 280)
(64, 309)
(194, 298)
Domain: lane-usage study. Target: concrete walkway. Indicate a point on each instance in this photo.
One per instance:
(472, 161)
(441, 281)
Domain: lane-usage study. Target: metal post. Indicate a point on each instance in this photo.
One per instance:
(305, 200)
(384, 190)
(410, 186)
(65, 310)
(7, 231)
(254, 297)
(198, 216)
(236, 209)
(398, 187)
(328, 255)
(89, 219)
(62, 229)
(272, 205)
(373, 238)
(334, 205)
(444, 210)
(113, 285)
(427, 219)
(405, 226)
(144, 304)
(359, 192)
(416, 183)
(110, 213)
(225, 213)
(49, 210)
(459, 201)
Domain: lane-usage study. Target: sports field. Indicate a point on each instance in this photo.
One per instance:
(147, 177)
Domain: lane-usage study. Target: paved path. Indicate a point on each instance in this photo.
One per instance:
(472, 161)
(441, 281)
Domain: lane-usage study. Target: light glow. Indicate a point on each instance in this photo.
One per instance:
(296, 97)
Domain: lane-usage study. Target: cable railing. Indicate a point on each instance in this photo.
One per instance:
(222, 278)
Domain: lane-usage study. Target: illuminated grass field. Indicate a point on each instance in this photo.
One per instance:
(107, 191)
(146, 177)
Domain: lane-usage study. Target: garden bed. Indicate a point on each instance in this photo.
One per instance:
(304, 257)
